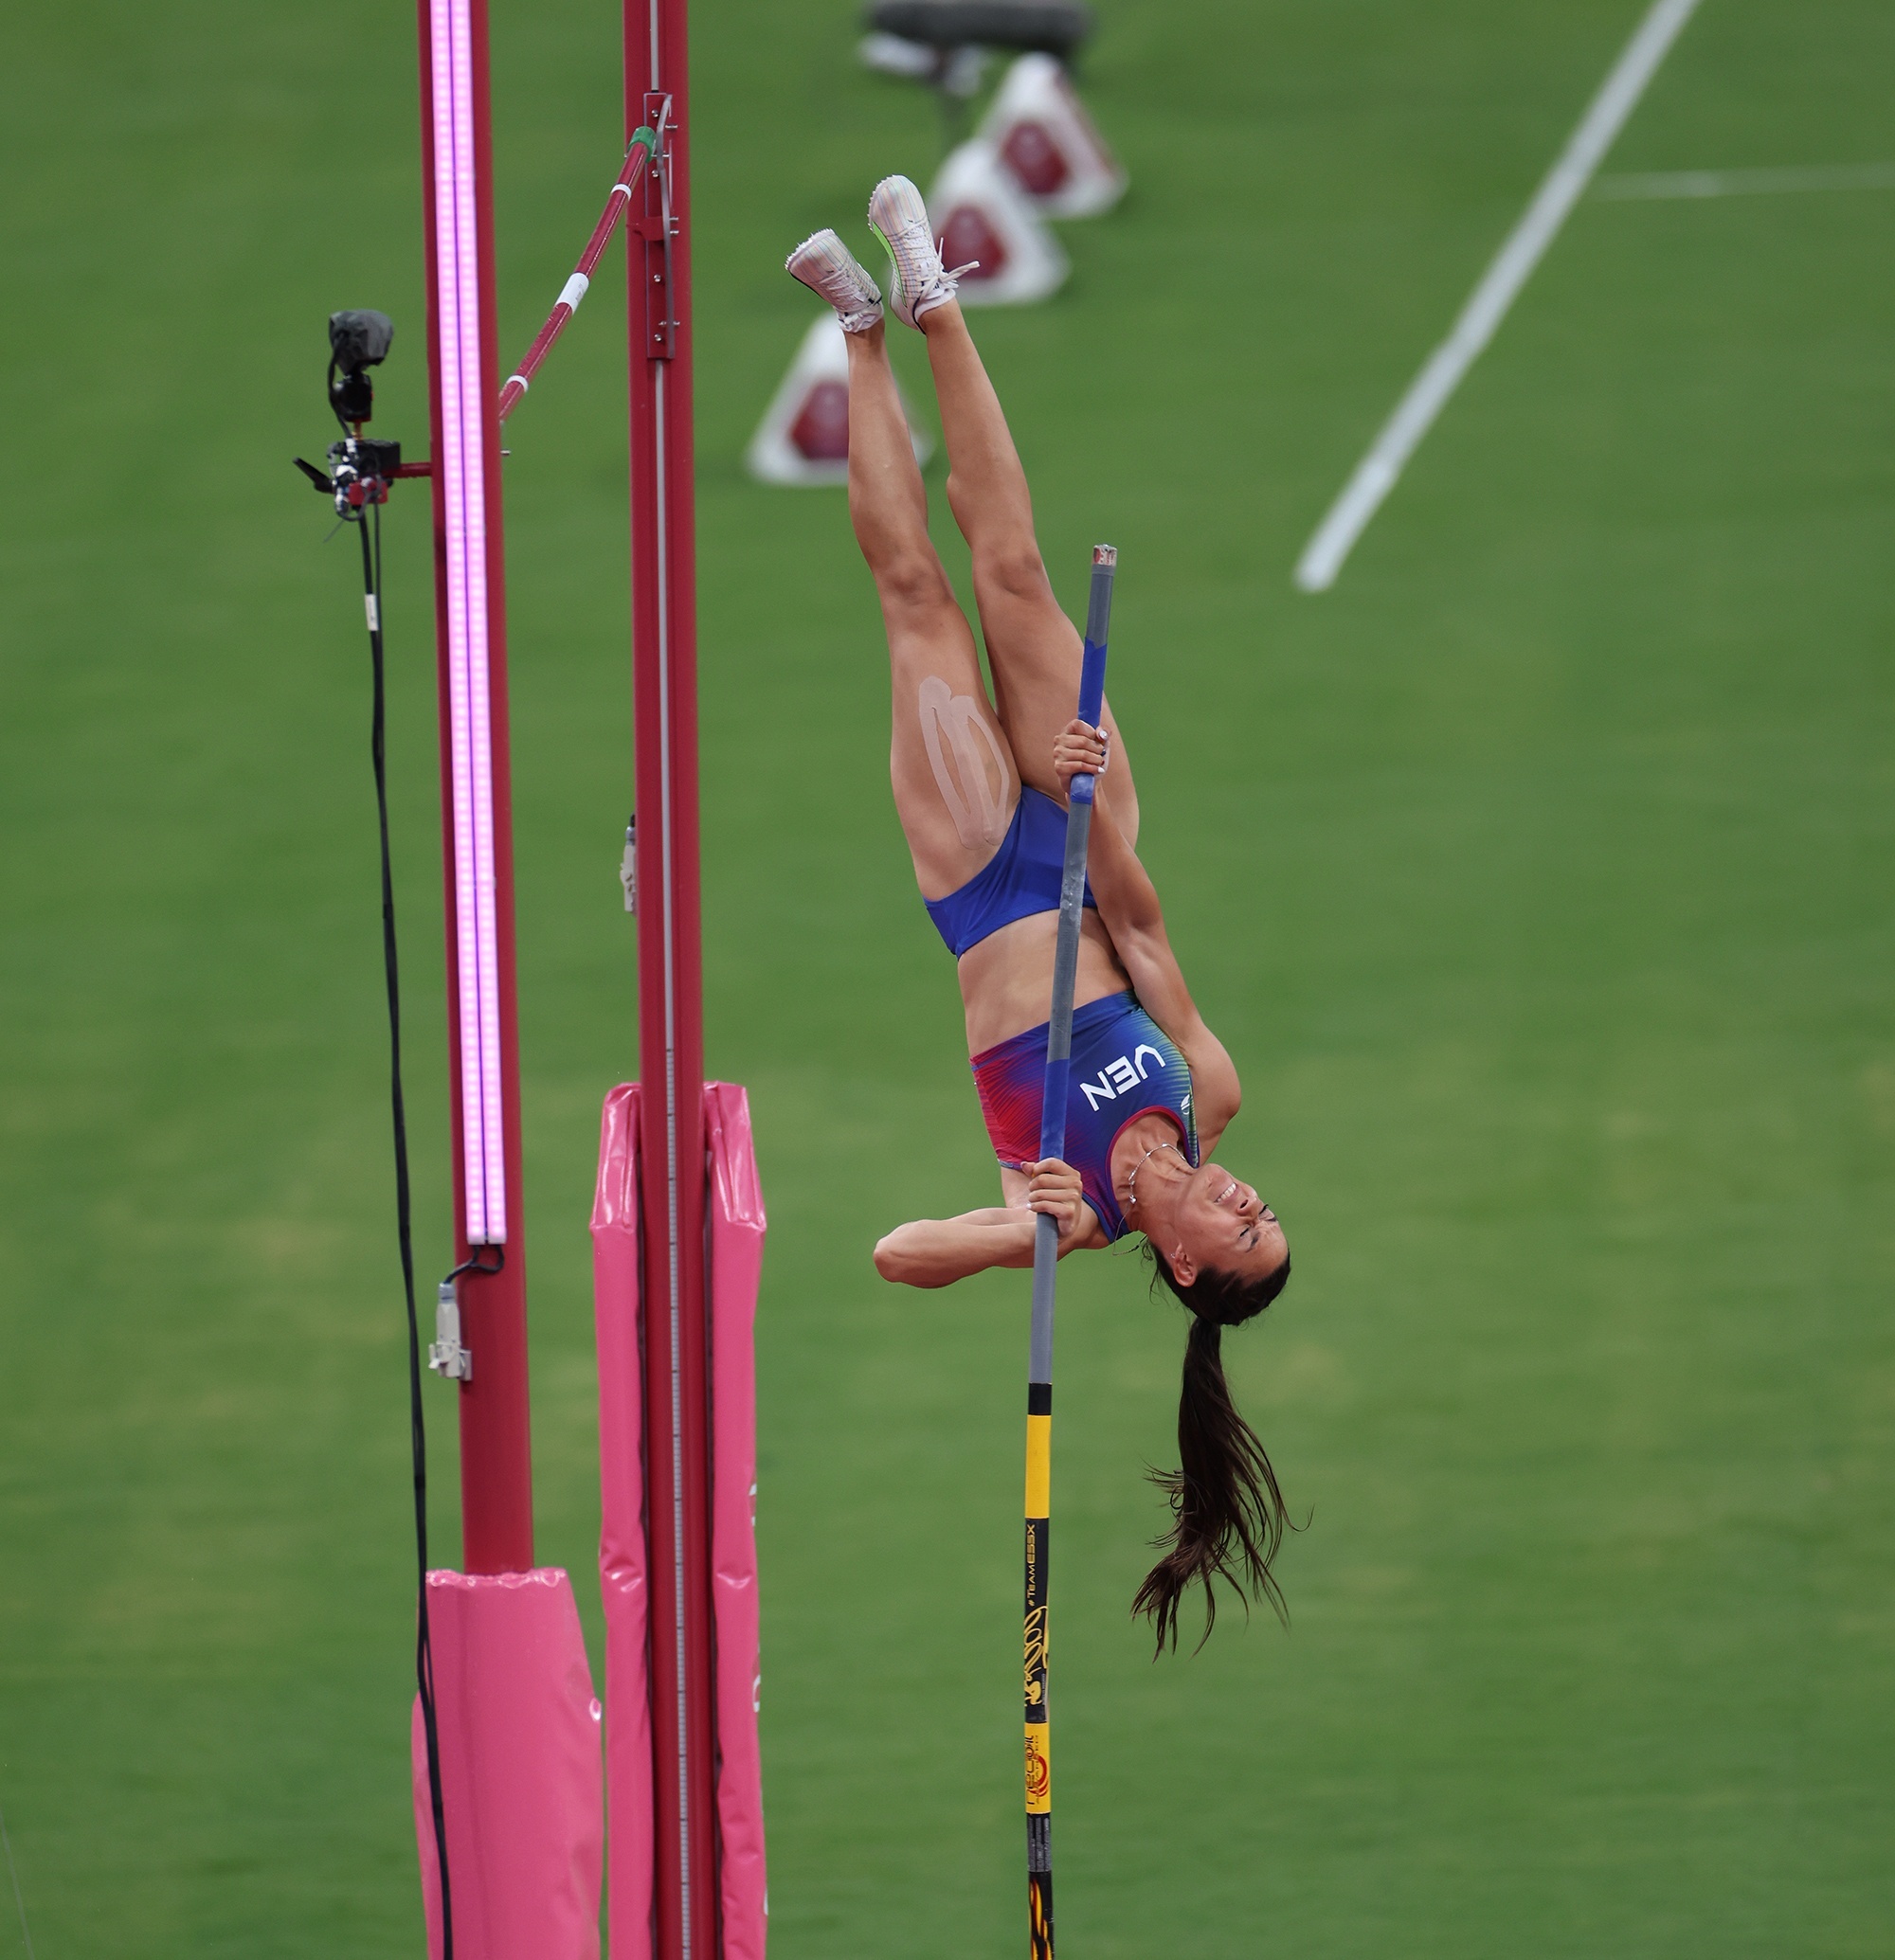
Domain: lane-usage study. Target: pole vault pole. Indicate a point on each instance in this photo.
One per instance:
(1046, 1278)
(670, 1035)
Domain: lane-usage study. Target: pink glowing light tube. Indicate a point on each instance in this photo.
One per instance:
(462, 468)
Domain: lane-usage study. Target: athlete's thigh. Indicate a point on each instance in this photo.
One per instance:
(1035, 651)
(955, 782)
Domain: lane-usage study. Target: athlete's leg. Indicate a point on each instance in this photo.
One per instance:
(1032, 646)
(955, 783)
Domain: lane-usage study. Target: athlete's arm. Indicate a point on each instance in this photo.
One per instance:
(938, 1252)
(1127, 902)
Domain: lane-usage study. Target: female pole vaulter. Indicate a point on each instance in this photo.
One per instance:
(980, 789)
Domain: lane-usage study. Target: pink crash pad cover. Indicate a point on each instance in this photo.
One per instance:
(621, 1534)
(736, 1263)
(521, 1771)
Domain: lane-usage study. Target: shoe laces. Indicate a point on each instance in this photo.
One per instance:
(920, 226)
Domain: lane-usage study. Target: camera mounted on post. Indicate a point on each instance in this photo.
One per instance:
(360, 467)
(358, 340)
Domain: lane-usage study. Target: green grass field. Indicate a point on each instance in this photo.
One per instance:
(1538, 876)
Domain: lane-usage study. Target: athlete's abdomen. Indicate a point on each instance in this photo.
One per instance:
(1006, 980)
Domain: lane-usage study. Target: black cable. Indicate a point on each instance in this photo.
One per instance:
(371, 580)
(477, 1265)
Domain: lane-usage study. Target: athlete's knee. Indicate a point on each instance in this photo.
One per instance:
(1013, 566)
(913, 581)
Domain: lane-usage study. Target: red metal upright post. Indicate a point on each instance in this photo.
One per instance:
(508, 1781)
(477, 812)
(671, 1042)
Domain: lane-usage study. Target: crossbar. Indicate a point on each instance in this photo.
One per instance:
(638, 154)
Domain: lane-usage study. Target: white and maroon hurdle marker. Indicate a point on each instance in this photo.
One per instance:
(985, 221)
(1054, 150)
(678, 1222)
(804, 438)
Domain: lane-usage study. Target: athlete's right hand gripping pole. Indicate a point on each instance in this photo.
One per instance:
(1045, 1275)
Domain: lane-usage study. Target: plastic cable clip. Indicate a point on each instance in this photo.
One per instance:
(448, 1357)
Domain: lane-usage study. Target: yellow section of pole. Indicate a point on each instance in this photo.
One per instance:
(1038, 1466)
(1039, 1769)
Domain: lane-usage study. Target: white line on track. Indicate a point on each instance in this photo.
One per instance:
(1841, 176)
(1565, 183)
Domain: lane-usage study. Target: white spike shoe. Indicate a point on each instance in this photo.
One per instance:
(825, 266)
(918, 282)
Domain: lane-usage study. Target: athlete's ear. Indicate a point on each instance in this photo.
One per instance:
(1183, 1268)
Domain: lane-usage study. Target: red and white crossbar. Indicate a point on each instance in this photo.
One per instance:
(638, 154)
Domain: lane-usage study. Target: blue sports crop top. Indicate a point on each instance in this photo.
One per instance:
(1019, 879)
(1124, 1066)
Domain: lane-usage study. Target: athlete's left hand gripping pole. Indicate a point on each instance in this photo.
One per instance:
(1045, 1277)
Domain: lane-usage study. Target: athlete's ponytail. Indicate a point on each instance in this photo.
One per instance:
(1227, 1516)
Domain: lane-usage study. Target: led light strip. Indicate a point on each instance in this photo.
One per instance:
(464, 493)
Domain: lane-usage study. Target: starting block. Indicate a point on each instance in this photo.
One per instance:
(1039, 129)
(980, 213)
(804, 438)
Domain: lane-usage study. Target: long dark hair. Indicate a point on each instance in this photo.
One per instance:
(1227, 1515)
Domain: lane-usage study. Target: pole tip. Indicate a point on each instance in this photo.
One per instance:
(1105, 554)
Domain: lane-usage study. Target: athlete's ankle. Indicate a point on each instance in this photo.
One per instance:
(946, 314)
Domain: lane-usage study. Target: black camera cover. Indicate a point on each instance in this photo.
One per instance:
(360, 339)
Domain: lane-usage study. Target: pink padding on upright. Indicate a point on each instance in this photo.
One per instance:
(736, 1213)
(622, 1530)
(519, 1767)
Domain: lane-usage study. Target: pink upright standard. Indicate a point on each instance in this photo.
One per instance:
(736, 1239)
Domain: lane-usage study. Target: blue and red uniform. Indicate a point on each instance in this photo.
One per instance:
(1124, 1065)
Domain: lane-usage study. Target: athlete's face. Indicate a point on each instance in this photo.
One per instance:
(1222, 1226)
